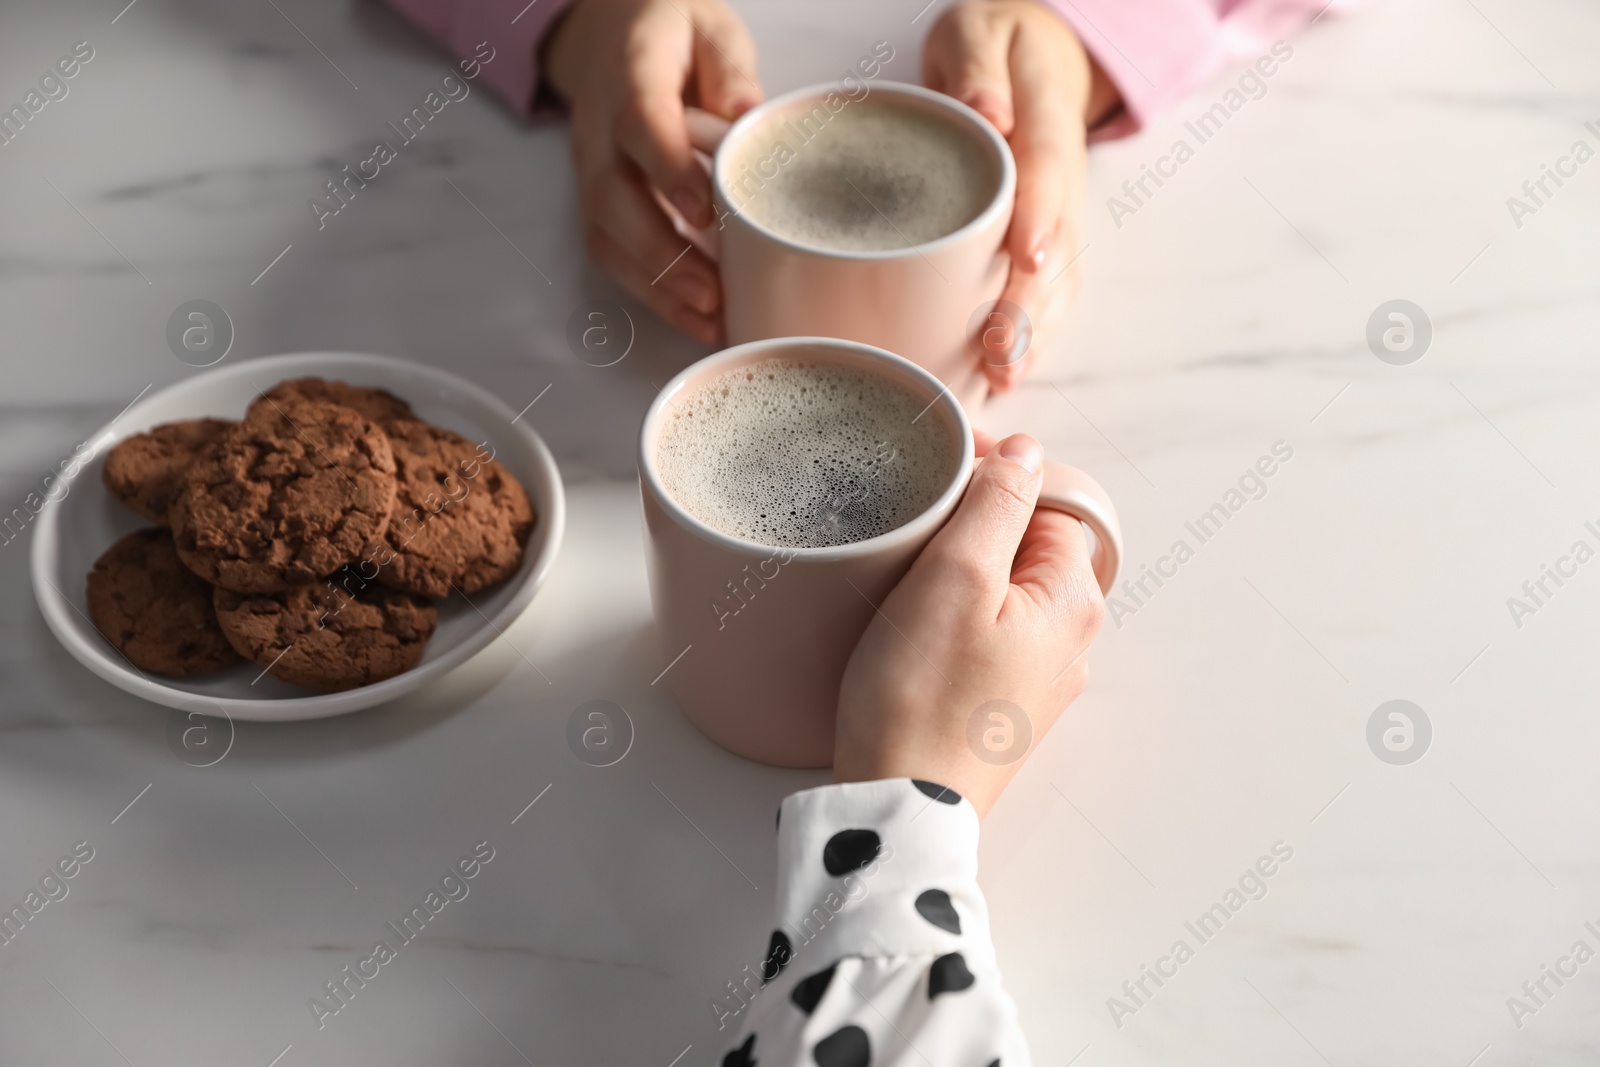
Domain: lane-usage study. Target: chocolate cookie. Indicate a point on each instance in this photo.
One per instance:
(154, 609)
(460, 519)
(337, 634)
(377, 405)
(145, 471)
(292, 493)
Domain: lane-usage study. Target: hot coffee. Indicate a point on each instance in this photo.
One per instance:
(802, 454)
(879, 174)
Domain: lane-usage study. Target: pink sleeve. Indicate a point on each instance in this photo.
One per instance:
(1157, 51)
(511, 28)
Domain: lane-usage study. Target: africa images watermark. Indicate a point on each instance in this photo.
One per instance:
(788, 942)
(1252, 885)
(343, 190)
(342, 989)
(1566, 167)
(852, 88)
(55, 488)
(1251, 85)
(1252, 485)
(829, 522)
(1538, 591)
(52, 87)
(600, 732)
(52, 889)
(1537, 991)
(1565, 970)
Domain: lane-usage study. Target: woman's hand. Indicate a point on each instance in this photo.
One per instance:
(1000, 606)
(627, 68)
(1019, 65)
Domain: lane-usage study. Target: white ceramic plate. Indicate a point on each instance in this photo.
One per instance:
(73, 531)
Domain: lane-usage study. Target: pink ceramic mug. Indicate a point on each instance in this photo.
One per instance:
(759, 636)
(920, 301)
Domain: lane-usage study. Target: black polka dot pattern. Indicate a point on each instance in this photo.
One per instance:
(935, 906)
(850, 850)
(741, 1056)
(937, 791)
(948, 974)
(866, 935)
(807, 993)
(845, 1047)
(779, 952)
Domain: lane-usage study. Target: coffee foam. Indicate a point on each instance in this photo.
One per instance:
(878, 175)
(792, 453)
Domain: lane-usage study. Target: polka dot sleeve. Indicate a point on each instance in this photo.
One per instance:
(881, 953)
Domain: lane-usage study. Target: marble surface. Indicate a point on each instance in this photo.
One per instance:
(1228, 708)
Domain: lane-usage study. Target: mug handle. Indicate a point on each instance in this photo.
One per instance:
(1070, 490)
(706, 130)
(706, 133)
(1066, 489)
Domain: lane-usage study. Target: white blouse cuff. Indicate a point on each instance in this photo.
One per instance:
(883, 868)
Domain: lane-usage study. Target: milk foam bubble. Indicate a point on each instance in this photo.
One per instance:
(877, 175)
(793, 453)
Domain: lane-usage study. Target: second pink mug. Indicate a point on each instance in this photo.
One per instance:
(758, 636)
(920, 300)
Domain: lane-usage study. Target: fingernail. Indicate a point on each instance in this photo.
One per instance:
(1037, 257)
(688, 202)
(697, 292)
(740, 106)
(1024, 451)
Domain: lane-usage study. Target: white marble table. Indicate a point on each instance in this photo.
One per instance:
(1227, 711)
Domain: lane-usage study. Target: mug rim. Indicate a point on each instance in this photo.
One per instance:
(1000, 203)
(931, 516)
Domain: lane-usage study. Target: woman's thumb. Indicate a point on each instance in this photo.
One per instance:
(993, 515)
